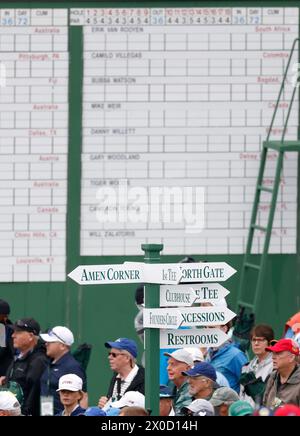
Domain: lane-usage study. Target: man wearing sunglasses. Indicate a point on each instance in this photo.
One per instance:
(58, 345)
(128, 375)
(29, 364)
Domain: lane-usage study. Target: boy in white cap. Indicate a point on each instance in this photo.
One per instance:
(70, 393)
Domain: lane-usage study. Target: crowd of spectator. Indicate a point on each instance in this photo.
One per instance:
(40, 376)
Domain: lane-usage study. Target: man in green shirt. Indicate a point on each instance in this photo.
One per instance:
(179, 361)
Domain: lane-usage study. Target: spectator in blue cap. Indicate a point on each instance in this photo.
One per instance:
(128, 375)
(165, 392)
(113, 411)
(166, 401)
(202, 380)
(94, 411)
(124, 344)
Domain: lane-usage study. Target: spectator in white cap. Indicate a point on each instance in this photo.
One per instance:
(179, 361)
(58, 344)
(70, 393)
(130, 399)
(9, 405)
(196, 353)
(134, 411)
(199, 408)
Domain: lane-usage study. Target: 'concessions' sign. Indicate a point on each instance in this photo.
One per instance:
(187, 317)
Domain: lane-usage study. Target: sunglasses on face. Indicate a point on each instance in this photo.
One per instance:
(52, 333)
(116, 354)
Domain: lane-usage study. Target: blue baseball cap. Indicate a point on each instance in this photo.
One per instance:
(94, 411)
(165, 392)
(124, 344)
(202, 368)
(113, 411)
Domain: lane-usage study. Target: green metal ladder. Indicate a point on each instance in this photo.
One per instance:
(281, 147)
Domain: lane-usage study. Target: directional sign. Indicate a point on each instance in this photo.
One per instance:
(187, 295)
(106, 274)
(128, 272)
(161, 318)
(209, 292)
(206, 337)
(205, 272)
(159, 272)
(206, 316)
(189, 272)
(139, 272)
(177, 295)
(187, 317)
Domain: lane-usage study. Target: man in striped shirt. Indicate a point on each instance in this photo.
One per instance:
(128, 376)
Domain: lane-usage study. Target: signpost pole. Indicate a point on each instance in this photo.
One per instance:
(152, 255)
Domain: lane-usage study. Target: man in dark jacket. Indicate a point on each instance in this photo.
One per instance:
(29, 365)
(283, 385)
(128, 375)
(58, 344)
(6, 342)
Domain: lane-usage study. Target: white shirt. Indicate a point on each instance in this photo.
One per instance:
(125, 383)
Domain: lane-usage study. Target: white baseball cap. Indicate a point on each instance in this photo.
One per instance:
(59, 334)
(196, 353)
(182, 356)
(130, 399)
(69, 382)
(8, 401)
(201, 407)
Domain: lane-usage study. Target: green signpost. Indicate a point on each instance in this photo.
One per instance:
(172, 294)
(152, 255)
